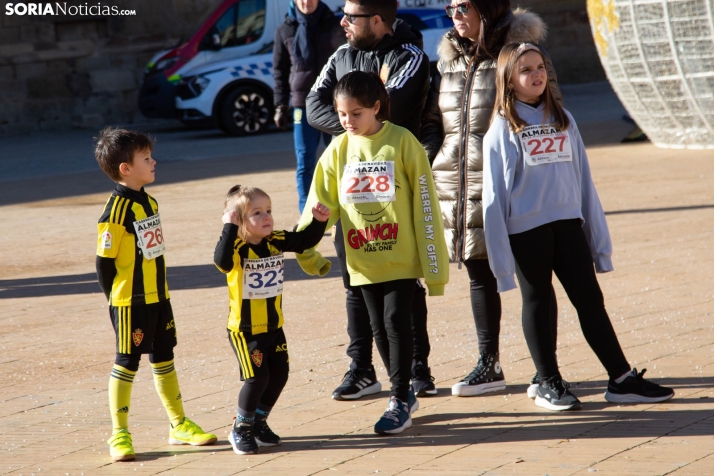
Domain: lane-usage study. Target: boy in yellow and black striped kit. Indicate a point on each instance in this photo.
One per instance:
(250, 253)
(132, 273)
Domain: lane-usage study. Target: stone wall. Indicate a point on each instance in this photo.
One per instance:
(570, 42)
(58, 73)
(62, 72)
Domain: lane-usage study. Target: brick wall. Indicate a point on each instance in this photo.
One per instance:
(58, 73)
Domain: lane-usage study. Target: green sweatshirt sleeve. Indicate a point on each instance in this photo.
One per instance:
(324, 190)
(428, 224)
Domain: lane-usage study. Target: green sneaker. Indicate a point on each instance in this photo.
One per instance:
(120, 447)
(188, 433)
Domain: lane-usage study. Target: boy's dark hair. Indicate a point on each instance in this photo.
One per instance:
(116, 146)
(366, 88)
(387, 9)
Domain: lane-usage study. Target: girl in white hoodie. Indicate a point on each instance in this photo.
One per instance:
(542, 215)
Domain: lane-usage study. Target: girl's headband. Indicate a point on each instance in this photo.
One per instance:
(523, 47)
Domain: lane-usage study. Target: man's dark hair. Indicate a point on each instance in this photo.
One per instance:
(117, 146)
(387, 9)
(366, 89)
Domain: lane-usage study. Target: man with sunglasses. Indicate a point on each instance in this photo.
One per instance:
(380, 43)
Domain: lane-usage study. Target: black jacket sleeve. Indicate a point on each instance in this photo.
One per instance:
(432, 124)
(106, 272)
(299, 241)
(407, 85)
(281, 69)
(223, 255)
(321, 112)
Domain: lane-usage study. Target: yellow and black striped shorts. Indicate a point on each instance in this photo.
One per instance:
(144, 329)
(259, 354)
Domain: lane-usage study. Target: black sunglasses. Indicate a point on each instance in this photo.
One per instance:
(462, 8)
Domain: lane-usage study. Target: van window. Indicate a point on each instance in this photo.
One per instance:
(251, 21)
(241, 24)
(226, 27)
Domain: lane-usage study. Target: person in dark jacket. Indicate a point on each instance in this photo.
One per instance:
(378, 43)
(303, 44)
(456, 118)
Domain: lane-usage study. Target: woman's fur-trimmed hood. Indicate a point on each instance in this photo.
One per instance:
(524, 26)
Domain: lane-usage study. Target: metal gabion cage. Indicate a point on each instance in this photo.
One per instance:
(659, 58)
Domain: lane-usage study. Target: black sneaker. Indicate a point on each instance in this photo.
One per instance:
(264, 436)
(356, 384)
(635, 389)
(553, 394)
(532, 390)
(242, 440)
(487, 376)
(422, 381)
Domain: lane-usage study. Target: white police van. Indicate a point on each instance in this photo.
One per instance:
(237, 95)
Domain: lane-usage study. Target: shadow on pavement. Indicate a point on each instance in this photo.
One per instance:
(658, 210)
(596, 420)
(179, 277)
(85, 183)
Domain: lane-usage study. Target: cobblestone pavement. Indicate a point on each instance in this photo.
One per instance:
(57, 343)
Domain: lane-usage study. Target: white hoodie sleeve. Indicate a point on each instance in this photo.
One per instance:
(595, 226)
(499, 164)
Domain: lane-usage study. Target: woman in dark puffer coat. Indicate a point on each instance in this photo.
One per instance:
(456, 117)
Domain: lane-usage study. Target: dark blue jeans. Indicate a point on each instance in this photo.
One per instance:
(307, 139)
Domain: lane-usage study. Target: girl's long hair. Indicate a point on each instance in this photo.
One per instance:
(506, 98)
(365, 88)
(238, 199)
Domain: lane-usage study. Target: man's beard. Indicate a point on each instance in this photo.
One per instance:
(366, 41)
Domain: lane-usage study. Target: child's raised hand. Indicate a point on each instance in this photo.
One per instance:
(230, 217)
(320, 212)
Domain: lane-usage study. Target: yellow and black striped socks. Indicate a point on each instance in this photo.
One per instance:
(120, 383)
(167, 386)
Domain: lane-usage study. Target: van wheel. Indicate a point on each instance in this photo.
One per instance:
(246, 110)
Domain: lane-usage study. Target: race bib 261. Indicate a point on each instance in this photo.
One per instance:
(150, 237)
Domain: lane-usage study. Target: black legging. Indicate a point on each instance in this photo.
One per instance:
(262, 391)
(389, 305)
(561, 247)
(358, 325)
(486, 306)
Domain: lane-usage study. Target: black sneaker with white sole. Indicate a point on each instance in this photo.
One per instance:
(532, 390)
(356, 384)
(264, 436)
(553, 394)
(422, 382)
(242, 440)
(486, 377)
(635, 389)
